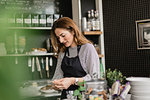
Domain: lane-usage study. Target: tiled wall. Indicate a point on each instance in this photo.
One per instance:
(120, 36)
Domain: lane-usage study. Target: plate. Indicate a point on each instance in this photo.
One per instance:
(134, 97)
(48, 91)
(143, 81)
(140, 93)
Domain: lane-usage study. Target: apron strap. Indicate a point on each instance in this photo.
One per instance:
(78, 49)
(67, 50)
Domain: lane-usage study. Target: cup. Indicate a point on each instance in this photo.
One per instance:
(84, 24)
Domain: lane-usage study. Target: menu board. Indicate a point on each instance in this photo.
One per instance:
(31, 6)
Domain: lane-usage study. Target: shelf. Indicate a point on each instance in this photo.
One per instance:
(40, 28)
(92, 33)
(16, 55)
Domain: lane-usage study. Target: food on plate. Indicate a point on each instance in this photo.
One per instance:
(47, 87)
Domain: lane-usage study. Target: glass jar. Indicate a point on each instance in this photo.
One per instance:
(96, 89)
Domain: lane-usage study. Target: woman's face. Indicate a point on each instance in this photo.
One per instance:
(65, 37)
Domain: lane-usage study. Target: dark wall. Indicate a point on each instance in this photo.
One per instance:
(87, 5)
(66, 8)
(120, 36)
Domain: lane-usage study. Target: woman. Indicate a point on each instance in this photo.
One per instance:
(77, 57)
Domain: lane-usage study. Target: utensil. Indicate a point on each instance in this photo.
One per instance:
(38, 67)
(47, 67)
(29, 62)
(42, 62)
(50, 61)
(33, 65)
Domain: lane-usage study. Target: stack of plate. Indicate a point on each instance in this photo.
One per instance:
(140, 88)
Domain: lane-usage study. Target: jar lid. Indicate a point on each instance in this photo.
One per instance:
(96, 82)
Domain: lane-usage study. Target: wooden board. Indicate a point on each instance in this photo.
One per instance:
(92, 32)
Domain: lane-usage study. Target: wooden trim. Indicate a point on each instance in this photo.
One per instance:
(92, 33)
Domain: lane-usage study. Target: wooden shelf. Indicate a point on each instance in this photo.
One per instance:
(92, 33)
(100, 55)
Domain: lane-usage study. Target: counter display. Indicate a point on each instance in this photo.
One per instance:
(40, 89)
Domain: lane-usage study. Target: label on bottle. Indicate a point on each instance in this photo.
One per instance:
(89, 26)
(19, 20)
(11, 20)
(42, 21)
(97, 24)
(27, 21)
(35, 21)
(93, 25)
(49, 22)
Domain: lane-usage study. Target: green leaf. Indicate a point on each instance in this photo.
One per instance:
(80, 96)
(81, 88)
(81, 83)
(76, 93)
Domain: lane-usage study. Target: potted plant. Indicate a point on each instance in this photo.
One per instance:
(114, 75)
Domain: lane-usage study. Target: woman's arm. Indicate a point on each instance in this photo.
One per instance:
(58, 72)
(90, 61)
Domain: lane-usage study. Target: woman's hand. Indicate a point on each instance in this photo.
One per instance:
(63, 83)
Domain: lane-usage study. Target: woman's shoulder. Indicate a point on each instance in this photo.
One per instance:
(60, 55)
(87, 46)
(88, 49)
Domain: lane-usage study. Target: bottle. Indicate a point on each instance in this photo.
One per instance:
(97, 21)
(19, 20)
(11, 20)
(27, 19)
(93, 20)
(16, 43)
(84, 24)
(35, 20)
(56, 16)
(21, 44)
(43, 20)
(102, 74)
(49, 20)
(89, 27)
